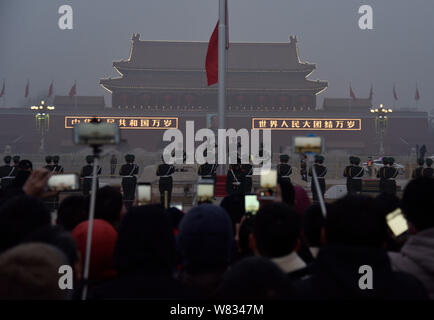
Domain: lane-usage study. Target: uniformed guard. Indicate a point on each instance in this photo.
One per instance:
(48, 163)
(428, 171)
(208, 171)
(6, 172)
(387, 175)
(57, 168)
(417, 172)
(246, 180)
(354, 174)
(234, 179)
(128, 172)
(86, 175)
(284, 170)
(165, 184)
(321, 171)
(303, 168)
(16, 161)
(113, 164)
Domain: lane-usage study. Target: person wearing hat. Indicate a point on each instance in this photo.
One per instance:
(234, 178)
(113, 164)
(284, 170)
(354, 173)
(48, 160)
(387, 175)
(86, 175)
(165, 184)
(321, 171)
(57, 168)
(428, 171)
(6, 172)
(207, 170)
(16, 161)
(417, 172)
(246, 182)
(303, 167)
(128, 172)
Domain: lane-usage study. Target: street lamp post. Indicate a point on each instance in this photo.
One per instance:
(381, 119)
(42, 118)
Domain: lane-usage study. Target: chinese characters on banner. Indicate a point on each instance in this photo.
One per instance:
(128, 122)
(306, 124)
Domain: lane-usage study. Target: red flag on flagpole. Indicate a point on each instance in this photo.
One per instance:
(26, 92)
(50, 90)
(73, 90)
(417, 95)
(395, 95)
(2, 93)
(212, 56)
(371, 93)
(352, 95)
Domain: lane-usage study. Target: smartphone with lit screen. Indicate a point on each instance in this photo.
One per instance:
(143, 193)
(251, 203)
(205, 192)
(268, 184)
(63, 182)
(397, 223)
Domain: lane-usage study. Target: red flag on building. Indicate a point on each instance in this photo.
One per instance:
(212, 54)
(2, 93)
(371, 93)
(395, 95)
(73, 90)
(26, 92)
(417, 95)
(50, 90)
(352, 95)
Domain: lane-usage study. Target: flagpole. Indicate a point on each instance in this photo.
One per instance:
(222, 69)
(222, 64)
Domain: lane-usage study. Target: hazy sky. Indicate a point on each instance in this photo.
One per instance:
(400, 49)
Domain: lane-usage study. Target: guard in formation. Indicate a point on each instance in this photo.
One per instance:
(208, 171)
(428, 171)
(284, 170)
(247, 173)
(387, 175)
(52, 164)
(57, 168)
(354, 174)
(129, 173)
(234, 179)
(113, 164)
(320, 171)
(420, 171)
(165, 184)
(49, 161)
(86, 175)
(7, 172)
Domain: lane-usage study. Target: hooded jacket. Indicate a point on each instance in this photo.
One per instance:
(417, 258)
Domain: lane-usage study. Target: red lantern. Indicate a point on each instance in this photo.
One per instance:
(283, 100)
(124, 99)
(189, 99)
(146, 98)
(261, 100)
(303, 100)
(167, 99)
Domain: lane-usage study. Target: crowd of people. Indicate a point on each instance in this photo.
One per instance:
(287, 250)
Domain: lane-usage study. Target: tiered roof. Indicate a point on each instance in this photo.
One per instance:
(163, 65)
